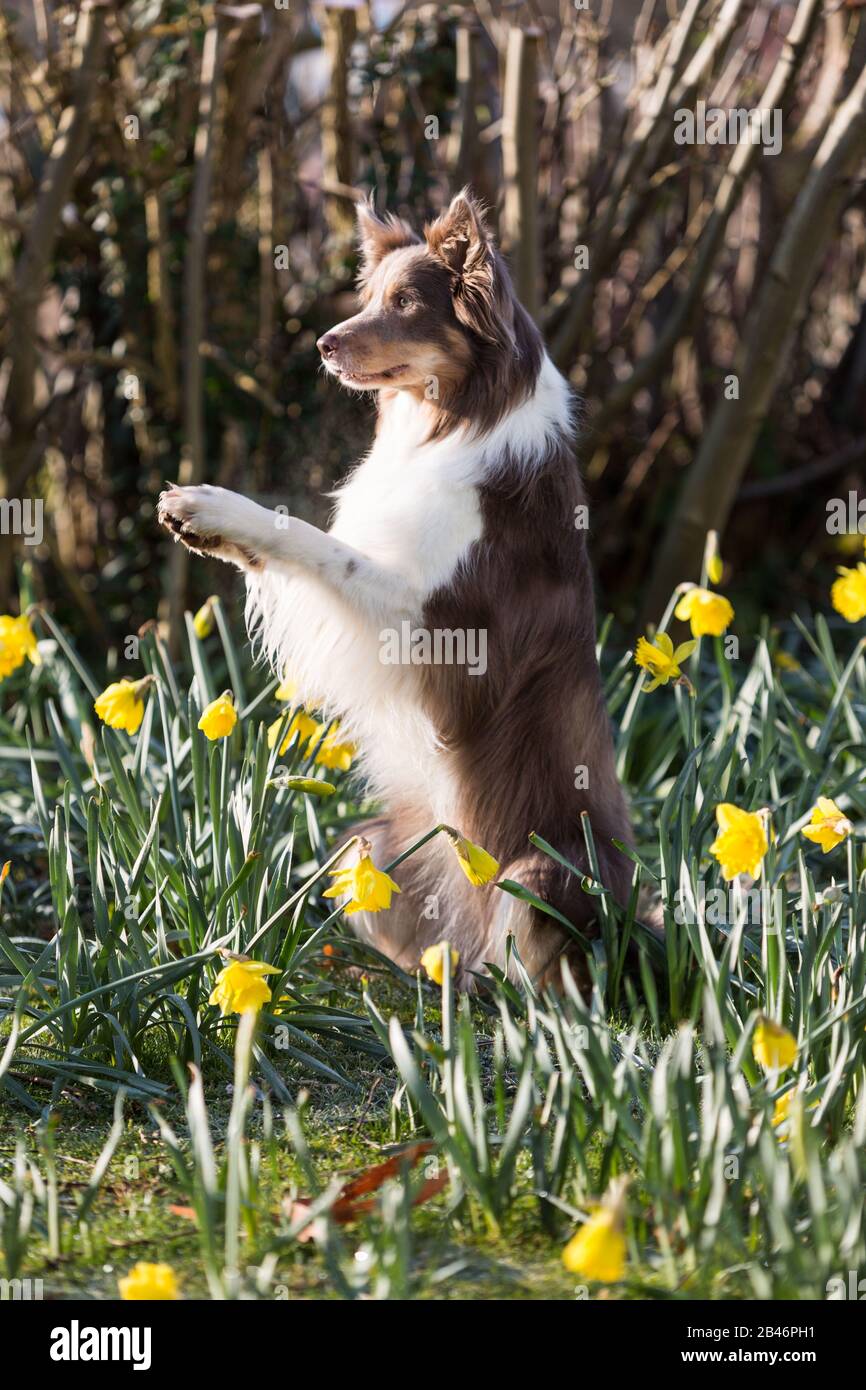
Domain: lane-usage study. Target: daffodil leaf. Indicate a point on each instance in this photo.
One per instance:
(517, 890)
(635, 858)
(237, 883)
(595, 889)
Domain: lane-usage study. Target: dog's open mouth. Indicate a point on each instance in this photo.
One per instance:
(371, 378)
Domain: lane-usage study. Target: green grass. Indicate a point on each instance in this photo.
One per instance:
(124, 1093)
(133, 1218)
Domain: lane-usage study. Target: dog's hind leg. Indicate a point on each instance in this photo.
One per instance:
(541, 942)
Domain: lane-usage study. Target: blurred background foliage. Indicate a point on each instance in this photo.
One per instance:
(176, 209)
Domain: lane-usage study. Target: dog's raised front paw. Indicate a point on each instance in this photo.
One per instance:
(201, 518)
(179, 513)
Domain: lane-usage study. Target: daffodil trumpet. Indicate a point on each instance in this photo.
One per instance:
(478, 866)
(598, 1251)
(662, 661)
(120, 705)
(240, 987)
(219, 718)
(365, 887)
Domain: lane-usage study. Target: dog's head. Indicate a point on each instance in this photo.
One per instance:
(439, 315)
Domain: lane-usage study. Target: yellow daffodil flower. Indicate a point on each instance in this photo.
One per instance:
(478, 866)
(660, 659)
(849, 593)
(828, 827)
(782, 1109)
(203, 622)
(239, 986)
(708, 613)
(11, 655)
(334, 754)
(742, 841)
(120, 705)
(149, 1283)
(369, 889)
(286, 690)
(597, 1250)
(433, 960)
(782, 1113)
(27, 639)
(220, 717)
(773, 1046)
(17, 644)
(301, 723)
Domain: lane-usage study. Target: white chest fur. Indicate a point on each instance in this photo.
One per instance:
(412, 506)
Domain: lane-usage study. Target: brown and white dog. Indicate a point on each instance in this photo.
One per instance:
(464, 517)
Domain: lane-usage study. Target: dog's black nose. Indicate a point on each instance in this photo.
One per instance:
(327, 344)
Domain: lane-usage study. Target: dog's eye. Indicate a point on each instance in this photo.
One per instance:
(403, 301)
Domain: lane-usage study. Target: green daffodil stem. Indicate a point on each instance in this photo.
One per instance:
(437, 829)
(302, 892)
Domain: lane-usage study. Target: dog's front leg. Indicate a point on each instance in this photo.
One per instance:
(214, 521)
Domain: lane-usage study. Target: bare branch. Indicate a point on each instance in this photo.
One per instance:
(714, 478)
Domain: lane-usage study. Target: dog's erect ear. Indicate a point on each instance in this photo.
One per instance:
(378, 236)
(460, 239)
